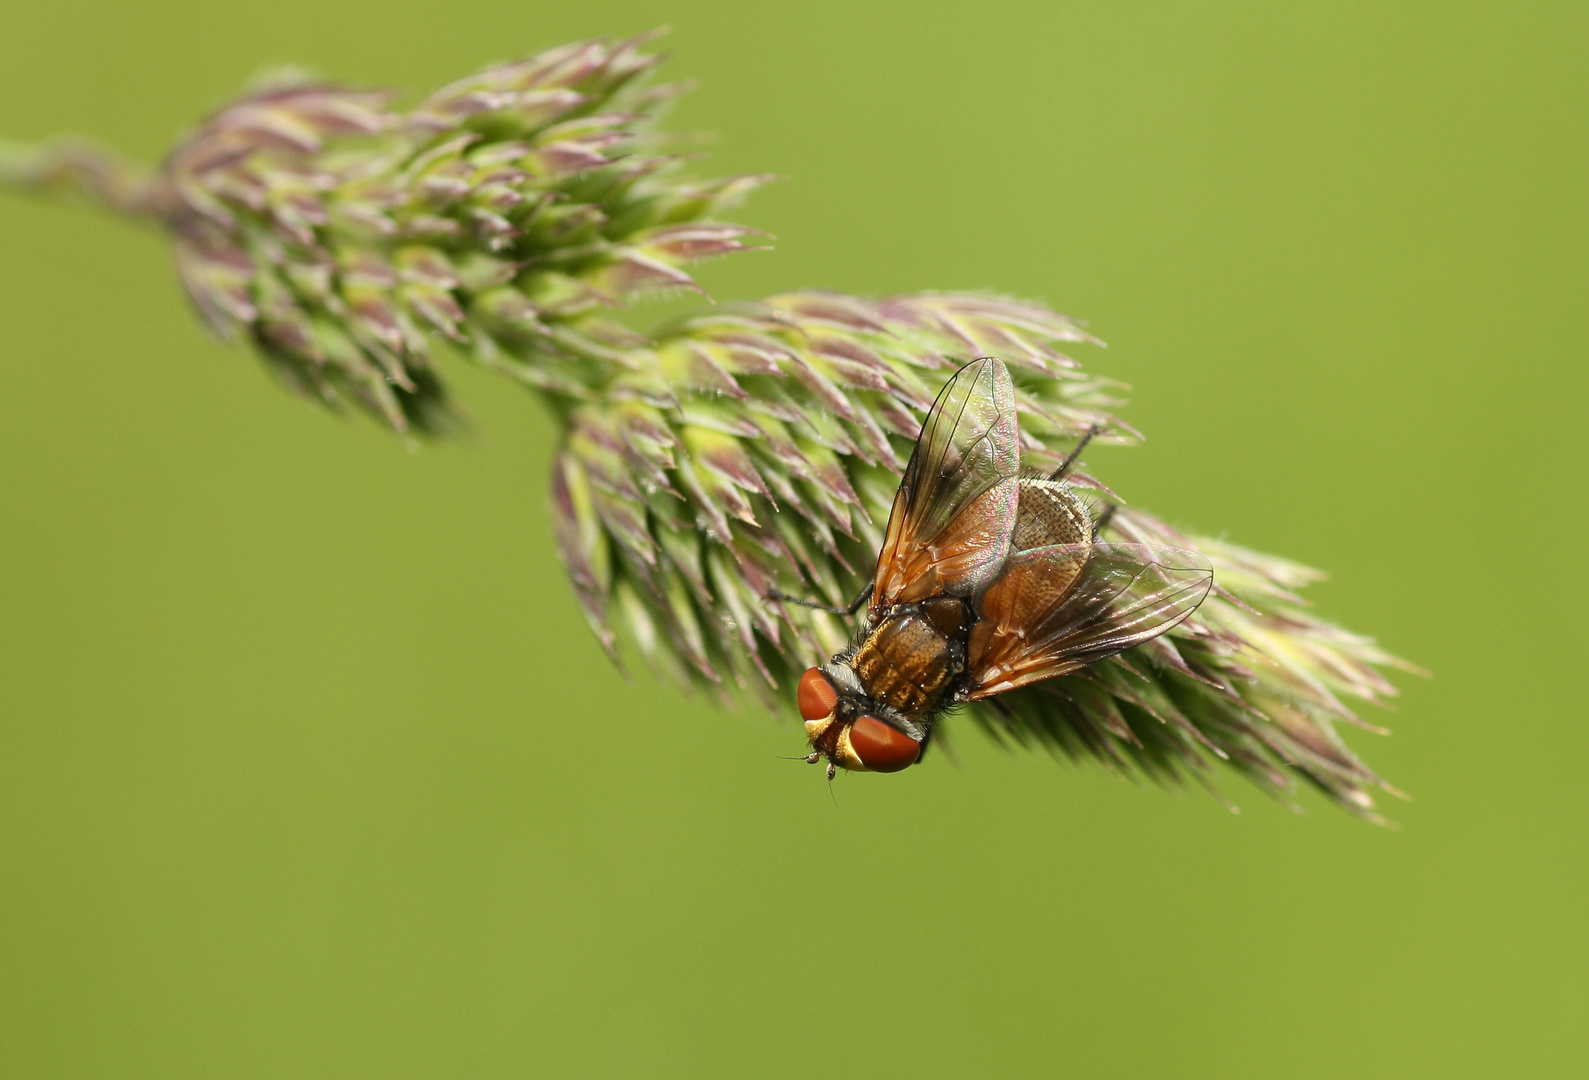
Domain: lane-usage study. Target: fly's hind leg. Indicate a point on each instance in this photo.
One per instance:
(854, 606)
(1064, 466)
(1103, 520)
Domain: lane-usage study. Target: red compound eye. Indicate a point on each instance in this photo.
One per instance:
(817, 696)
(882, 748)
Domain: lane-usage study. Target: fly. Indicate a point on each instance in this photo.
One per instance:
(987, 581)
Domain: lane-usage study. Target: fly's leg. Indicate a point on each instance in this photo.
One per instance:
(855, 605)
(1064, 466)
(1103, 519)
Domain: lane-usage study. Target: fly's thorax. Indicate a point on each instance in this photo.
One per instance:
(910, 660)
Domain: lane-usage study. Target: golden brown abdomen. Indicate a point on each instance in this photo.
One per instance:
(906, 663)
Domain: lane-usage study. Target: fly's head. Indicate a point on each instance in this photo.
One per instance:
(840, 728)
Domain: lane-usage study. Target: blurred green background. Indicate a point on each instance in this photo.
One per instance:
(308, 766)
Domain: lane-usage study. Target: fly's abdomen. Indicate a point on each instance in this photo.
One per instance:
(908, 664)
(1050, 512)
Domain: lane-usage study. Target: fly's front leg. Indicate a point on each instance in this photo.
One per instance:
(855, 605)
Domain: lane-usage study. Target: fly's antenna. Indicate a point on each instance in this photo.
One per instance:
(1064, 466)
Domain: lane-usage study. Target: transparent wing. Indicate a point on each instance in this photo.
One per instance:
(952, 517)
(1056, 609)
